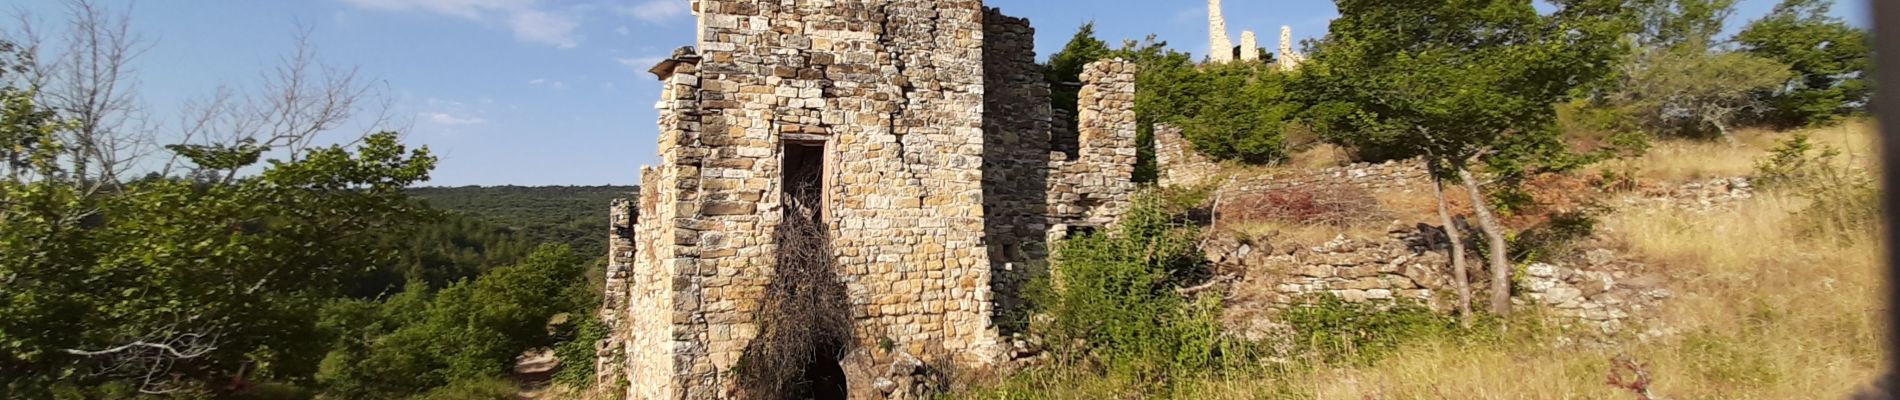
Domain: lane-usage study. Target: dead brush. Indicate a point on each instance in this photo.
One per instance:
(804, 321)
(1338, 206)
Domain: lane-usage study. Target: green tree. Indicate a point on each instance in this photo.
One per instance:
(469, 331)
(1065, 67)
(1240, 114)
(172, 285)
(1830, 60)
(1687, 89)
(1455, 81)
(1669, 23)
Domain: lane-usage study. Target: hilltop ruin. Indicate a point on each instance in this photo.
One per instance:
(917, 134)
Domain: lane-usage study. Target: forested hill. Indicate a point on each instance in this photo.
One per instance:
(572, 215)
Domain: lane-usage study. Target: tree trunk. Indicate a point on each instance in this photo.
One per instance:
(1499, 250)
(1461, 278)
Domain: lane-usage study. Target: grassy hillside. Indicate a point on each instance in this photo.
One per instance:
(1775, 298)
(572, 215)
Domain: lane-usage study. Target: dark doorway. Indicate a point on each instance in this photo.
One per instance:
(822, 378)
(803, 181)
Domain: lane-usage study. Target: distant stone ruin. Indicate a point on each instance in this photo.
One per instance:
(1249, 47)
(1288, 59)
(1221, 49)
(923, 132)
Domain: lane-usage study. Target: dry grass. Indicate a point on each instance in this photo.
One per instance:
(1760, 311)
(1680, 160)
(1758, 314)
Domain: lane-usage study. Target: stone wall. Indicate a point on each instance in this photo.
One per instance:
(1597, 290)
(1094, 189)
(1017, 153)
(1179, 163)
(1398, 175)
(941, 175)
(610, 357)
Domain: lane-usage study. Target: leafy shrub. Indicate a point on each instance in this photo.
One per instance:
(473, 389)
(469, 331)
(1116, 293)
(1846, 202)
(576, 350)
(1330, 329)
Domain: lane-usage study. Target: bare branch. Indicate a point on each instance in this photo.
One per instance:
(166, 349)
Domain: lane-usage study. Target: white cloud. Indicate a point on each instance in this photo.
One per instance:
(545, 28)
(548, 82)
(659, 10)
(529, 22)
(623, 31)
(446, 119)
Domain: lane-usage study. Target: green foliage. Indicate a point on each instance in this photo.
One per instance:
(1691, 91)
(472, 389)
(1674, 23)
(1481, 74)
(1116, 292)
(468, 331)
(1330, 329)
(449, 247)
(571, 215)
(1065, 68)
(233, 270)
(1241, 114)
(1793, 162)
(576, 349)
(1830, 60)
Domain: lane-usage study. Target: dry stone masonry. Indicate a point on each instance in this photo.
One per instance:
(928, 130)
(1287, 58)
(1220, 49)
(1597, 291)
(1179, 164)
(1249, 47)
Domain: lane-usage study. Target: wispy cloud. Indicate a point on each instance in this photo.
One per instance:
(548, 82)
(542, 27)
(640, 63)
(449, 113)
(623, 31)
(658, 10)
(446, 119)
(526, 18)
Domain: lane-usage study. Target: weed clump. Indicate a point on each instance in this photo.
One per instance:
(1114, 299)
(1845, 202)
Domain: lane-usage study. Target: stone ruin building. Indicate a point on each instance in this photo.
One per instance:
(1221, 49)
(920, 136)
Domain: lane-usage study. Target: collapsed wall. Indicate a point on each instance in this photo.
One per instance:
(928, 131)
(1177, 161)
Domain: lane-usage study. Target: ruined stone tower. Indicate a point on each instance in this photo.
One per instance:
(1220, 49)
(1288, 59)
(941, 178)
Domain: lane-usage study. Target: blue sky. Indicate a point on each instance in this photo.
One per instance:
(553, 92)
